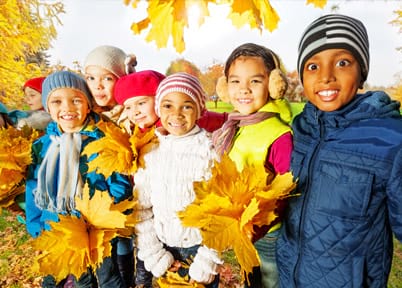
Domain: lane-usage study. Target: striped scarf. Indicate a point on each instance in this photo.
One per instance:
(223, 138)
(63, 156)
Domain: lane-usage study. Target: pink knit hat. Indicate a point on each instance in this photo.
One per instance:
(184, 83)
(142, 83)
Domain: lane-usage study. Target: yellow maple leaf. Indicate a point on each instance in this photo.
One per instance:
(15, 156)
(117, 151)
(74, 244)
(231, 203)
(173, 279)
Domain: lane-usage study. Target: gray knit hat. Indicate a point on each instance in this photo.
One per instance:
(335, 31)
(112, 59)
(64, 79)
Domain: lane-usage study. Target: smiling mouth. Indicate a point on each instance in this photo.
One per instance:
(244, 100)
(68, 117)
(328, 95)
(176, 125)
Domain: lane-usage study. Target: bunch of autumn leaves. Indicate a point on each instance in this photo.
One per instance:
(226, 209)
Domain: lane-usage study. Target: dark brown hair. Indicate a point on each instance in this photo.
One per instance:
(253, 50)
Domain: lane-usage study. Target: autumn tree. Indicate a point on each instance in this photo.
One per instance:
(210, 78)
(183, 65)
(26, 29)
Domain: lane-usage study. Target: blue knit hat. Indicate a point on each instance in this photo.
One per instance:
(64, 79)
(335, 31)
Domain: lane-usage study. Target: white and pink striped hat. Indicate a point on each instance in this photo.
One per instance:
(184, 83)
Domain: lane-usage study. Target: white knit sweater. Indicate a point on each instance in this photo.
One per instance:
(166, 185)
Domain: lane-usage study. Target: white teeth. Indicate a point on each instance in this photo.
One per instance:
(67, 117)
(327, 93)
(175, 125)
(244, 101)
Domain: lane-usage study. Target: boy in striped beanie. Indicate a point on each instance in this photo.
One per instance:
(338, 231)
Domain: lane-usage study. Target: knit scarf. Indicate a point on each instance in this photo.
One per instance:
(223, 138)
(63, 157)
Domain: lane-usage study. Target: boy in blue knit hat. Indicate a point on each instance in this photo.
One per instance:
(348, 161)
(58, 171)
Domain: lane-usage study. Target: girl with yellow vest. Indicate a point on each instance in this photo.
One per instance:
(257, 133)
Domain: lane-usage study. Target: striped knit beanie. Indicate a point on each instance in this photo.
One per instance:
(64, 79)
(335, 31)
(184, 83)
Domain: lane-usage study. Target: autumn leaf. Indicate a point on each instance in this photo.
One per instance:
(76, 243)
(231, 203)
(173, 279)
(15, 156)
(167, 18)
(117, 151)
(317, 3)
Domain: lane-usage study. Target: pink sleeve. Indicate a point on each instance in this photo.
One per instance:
(279, 154)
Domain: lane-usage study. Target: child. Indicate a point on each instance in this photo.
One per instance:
(103, 66)
(136, 92)
(165, 186)
(33, 93)
(257, 132)
(58, 171)
(35, 117)
(348, 159)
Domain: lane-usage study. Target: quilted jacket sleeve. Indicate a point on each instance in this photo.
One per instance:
(394, 191)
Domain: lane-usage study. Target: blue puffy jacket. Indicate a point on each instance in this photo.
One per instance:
(118, 186)
(338, 232)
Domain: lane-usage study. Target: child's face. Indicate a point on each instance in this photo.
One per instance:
(33, 98)
(141, 111)
(248, 81)
(69, 108)
(178, 113)
(101, 84)
(331, 79)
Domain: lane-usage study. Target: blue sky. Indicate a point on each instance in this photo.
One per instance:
(90, 23)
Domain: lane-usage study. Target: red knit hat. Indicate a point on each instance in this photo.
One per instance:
(34, 83)
(142, 83)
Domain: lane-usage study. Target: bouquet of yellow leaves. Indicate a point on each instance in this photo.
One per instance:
(15, 156)
(76, 243)
(118, 151)
(231, 203)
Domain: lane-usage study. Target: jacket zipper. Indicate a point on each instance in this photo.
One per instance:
(307, 187)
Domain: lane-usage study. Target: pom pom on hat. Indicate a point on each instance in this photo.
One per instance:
(112, 59)
(34, 83)
(64, 79)
(184, 83)
(335, 31)
(142, 83)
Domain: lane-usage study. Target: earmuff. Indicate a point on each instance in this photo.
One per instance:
(278, 83)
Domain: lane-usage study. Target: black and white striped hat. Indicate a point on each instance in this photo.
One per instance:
(335, 31)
